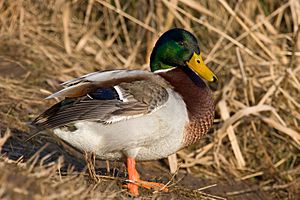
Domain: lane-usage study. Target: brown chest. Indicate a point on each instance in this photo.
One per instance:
(199, 101)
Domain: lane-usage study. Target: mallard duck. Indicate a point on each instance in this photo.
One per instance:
(136, 115)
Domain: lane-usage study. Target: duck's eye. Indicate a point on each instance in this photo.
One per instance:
(198, 61)
(181, 43)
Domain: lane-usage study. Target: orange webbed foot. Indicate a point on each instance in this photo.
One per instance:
(135, 181)
(153, 185)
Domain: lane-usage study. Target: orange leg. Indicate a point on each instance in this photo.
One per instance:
(136, 182)
(133, 176)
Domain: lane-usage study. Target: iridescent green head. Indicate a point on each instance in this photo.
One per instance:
(179, 48)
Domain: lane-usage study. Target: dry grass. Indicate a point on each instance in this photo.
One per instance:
(253, 46)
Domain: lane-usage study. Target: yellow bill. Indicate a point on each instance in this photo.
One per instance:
(196, 63)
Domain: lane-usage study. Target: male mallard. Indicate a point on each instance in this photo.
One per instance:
(130, 115)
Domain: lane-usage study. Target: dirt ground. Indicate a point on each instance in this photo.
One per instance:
(21, 185)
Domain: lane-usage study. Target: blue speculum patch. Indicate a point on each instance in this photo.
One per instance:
(104, 94)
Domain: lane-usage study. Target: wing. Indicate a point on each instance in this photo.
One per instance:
(106, 97)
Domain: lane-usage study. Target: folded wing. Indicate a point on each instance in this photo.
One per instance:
(106, 97)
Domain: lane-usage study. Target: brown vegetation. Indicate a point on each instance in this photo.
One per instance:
(252, 45)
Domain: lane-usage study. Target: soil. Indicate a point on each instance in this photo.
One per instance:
(183, 185)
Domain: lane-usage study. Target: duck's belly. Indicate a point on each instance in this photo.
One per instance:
(148, 137)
